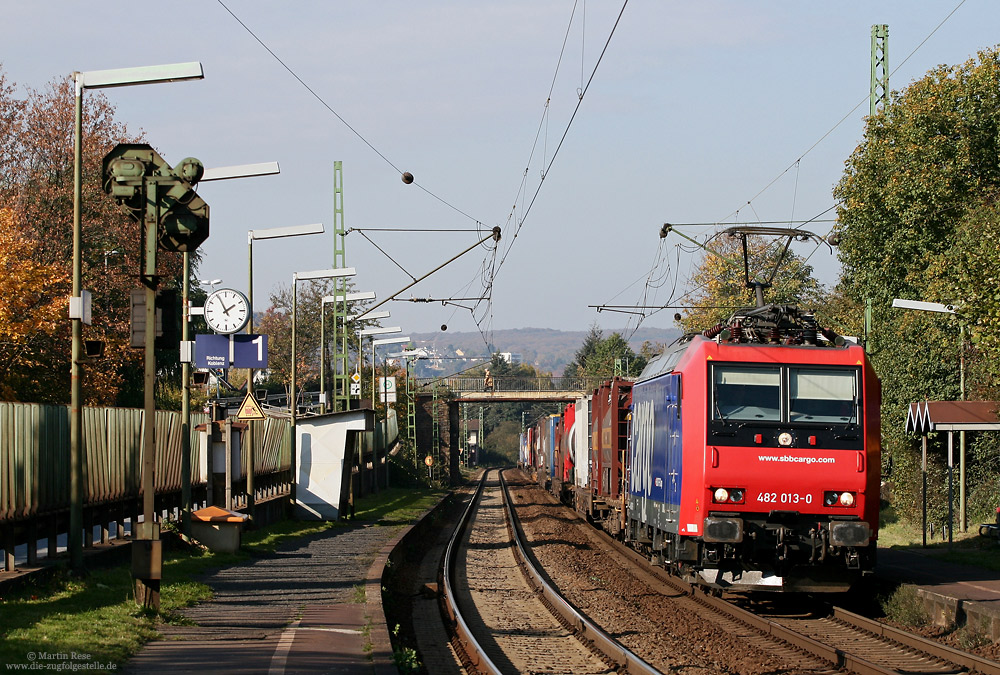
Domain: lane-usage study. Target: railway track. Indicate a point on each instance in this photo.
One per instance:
(505, 617)
(839, 642)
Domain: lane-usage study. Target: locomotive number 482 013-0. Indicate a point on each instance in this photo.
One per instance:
(784, 498)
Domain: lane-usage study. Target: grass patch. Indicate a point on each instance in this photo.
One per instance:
(967, 548)
(974, 635)
(905, 607)
(405, 658)
(95, 614)
(366, 632)
(396, 506)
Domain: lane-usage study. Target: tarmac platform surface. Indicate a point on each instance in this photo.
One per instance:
(296, 611)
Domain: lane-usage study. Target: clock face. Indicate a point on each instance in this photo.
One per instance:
(227, 311)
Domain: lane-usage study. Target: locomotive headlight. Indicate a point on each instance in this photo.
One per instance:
(785, 438)
(723, 495)
(841, 499)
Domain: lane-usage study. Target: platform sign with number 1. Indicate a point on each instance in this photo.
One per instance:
(230, 351)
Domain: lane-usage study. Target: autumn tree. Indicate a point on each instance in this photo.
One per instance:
(29, 314)
(613, 356)
(36, 187)
(277, 325)
(720, 281)
(587, 349)
(917, 220)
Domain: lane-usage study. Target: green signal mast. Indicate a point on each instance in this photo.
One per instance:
(880, 67)
(341, 385)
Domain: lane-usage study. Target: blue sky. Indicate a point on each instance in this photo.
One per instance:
(694, 109)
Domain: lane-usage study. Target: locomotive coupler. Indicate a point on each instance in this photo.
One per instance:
(853, 559)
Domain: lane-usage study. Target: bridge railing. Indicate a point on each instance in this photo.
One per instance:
(461, 385)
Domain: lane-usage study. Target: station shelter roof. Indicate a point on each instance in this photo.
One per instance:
(930, 416)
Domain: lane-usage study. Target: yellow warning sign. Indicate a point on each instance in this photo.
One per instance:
(250, 409)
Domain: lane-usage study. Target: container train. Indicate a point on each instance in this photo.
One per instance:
(745, 458)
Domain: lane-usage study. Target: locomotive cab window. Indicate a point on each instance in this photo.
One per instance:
(823, 395)
(753, 405)
(747, 394)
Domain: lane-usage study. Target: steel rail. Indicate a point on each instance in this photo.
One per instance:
(583, 625)
(974, 663)
(834, 655)
(473, 649)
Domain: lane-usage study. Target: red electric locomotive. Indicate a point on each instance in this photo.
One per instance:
(755, 456)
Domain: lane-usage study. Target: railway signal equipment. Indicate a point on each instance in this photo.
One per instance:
(159, 195)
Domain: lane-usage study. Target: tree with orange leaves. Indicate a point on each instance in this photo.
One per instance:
(30, 310)
(36, 190)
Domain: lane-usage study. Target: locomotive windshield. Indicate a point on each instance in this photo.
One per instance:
(747, 393)
(822, 395)
(742, 393)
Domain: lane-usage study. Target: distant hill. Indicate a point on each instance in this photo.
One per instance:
(547, 349)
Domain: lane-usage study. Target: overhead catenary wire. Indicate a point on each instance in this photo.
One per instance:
(494, 266)
(521, 217)
(562, 138)
(330, 108)
(849, 113)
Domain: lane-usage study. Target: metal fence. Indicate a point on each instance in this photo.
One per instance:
(34, 455)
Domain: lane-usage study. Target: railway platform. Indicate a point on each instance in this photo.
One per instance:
(953, 593)
(300, 610)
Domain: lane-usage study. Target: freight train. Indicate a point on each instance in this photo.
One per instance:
(745, 458)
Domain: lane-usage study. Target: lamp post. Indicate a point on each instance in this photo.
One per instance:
(219, 173)
(361, 333)
(268, 233)
(95, 79)
(940, 308)
(327, 299)
(293, 399)
(385, 422)
(376, 331)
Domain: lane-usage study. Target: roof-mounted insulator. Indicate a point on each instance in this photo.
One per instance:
(713, 331)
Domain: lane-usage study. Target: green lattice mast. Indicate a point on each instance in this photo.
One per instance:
(880, 67)
(341, 386)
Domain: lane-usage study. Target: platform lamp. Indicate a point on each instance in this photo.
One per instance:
(365, 316)
(95, 79)
(187, 351)
(923, 306)
(376, 331)
(385, 422)
(327, 299)
(252, 235)
(293, 398)
(372, 331)
(210, 282)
